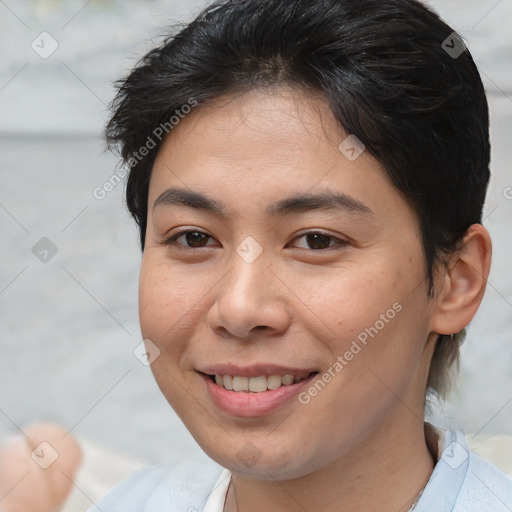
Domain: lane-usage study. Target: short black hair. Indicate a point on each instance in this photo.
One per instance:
(394, 74)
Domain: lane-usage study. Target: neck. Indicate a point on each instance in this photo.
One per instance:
(386, 472)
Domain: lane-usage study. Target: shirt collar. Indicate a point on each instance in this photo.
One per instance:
(445, 482)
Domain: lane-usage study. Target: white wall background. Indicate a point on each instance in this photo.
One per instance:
(69, 326)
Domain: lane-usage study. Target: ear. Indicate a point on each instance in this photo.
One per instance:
(463, 282)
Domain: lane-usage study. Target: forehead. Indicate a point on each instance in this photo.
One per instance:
(231, 127)
(265, 144)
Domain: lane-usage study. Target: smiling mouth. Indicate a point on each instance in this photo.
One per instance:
(260, 384)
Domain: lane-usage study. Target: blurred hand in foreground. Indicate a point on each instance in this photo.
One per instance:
(37, 470)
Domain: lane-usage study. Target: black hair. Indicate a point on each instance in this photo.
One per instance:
(394, 74)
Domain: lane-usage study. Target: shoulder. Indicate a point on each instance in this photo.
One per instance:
(182, 488)
(485, 488)
(463, 481)
(132, 493)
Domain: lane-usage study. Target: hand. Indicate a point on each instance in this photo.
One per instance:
(40, 480)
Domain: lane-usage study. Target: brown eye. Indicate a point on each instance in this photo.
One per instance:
(318, 241)
(191, 239)
(196, 239)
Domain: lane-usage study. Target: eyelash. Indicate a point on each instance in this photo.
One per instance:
(172, 240)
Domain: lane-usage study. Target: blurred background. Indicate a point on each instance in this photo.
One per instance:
(69, 261)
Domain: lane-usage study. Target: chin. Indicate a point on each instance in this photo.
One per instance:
(270, 462)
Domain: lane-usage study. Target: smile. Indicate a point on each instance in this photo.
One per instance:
(258, 384)
(254, 391)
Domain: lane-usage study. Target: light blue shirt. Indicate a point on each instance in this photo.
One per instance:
(461, 482)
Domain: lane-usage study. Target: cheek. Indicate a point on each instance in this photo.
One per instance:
(347, 300)
(167, 306)
(381, 331)
(166, 300)
(377, 321)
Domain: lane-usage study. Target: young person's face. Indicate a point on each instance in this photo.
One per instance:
(274, 286)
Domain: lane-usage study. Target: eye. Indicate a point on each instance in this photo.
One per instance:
(194, 239)
(318, 241)
(190, 238)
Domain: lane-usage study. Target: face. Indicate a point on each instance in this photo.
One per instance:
(283, 285)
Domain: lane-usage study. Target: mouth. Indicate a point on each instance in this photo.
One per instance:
(256, 391)
(260, 383)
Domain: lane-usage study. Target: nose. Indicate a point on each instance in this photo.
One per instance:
(249, 300)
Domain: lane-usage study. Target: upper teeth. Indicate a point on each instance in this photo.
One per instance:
(257, 384)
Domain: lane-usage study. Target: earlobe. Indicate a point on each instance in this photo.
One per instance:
(464, 284)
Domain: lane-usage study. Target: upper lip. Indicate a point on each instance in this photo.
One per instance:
(254, 370)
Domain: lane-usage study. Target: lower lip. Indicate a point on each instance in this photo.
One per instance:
(247, 404)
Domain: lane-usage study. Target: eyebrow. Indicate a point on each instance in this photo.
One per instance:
(297, 203)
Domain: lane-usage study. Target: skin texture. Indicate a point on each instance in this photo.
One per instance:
(359, 444)
(28, 487)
